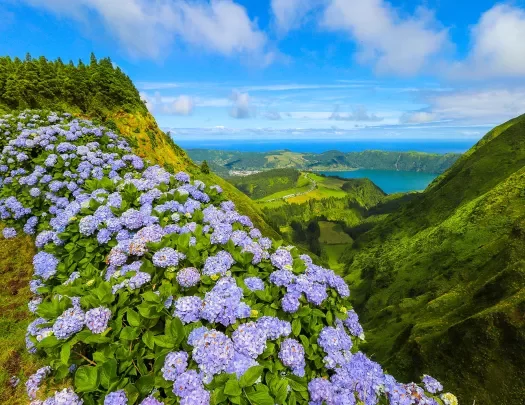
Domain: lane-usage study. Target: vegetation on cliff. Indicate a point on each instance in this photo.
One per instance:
(440, 280)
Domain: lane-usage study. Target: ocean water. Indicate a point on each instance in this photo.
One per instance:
(323, 145)
(390, 181)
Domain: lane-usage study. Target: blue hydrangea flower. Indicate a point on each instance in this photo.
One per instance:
(188, 277)
(116, 398)
(45, 265)
(292, 355)
(97, 319)
(254, 283)
(69, 323)
(166, 257)
(9, 233)
(174, 365)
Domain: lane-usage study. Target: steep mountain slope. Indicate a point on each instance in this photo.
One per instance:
(441, 282)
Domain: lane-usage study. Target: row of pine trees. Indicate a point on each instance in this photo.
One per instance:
(94, 89)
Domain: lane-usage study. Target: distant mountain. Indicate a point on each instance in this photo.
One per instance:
(224, 162)
(440, 282)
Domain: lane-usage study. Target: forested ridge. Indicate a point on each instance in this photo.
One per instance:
(92, 89)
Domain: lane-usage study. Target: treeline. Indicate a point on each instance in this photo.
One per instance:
(93, 89)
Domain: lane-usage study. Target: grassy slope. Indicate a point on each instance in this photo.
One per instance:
(441, 283)
(16, 254)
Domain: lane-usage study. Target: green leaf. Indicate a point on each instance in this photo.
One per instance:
(250, 376)
(296, 327)
(164, 341)
(133, 317)
(177, 330)
(129, 333)
(260, 398)
(148, 339)
(145, 384)
(65, 352)
(86, 379)
(232, 388)
(280, 390)
(108, 372)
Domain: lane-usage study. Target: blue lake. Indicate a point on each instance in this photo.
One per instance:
(390, 181)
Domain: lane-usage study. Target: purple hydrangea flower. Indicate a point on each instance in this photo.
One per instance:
(249, 339)
(292, 355)
(151, 400)
(188, 309)
(45, 265)
(213, 351)
(97, 319)
(36, 380)
(431, 384)
(353, 325)
(167, 257)
(9, 233)
(282, 259)
(69, 323)
(116, 398)
(187, 383)
(254, 283)
(174, 365)
(188, 277)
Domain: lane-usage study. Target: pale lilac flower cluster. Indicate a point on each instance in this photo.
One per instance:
(174, 365)
(292, 355)
(34, 381)
(188, 277)
(69, 323)
(97, 319)
(116, 398)
(254, 283)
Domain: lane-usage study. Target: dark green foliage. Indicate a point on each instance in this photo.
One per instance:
(94, 90)
(262, 184)
(440, 278)
(205, 168)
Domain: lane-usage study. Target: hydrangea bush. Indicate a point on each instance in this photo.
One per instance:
(152, 289)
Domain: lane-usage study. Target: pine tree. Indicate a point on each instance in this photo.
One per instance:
(205, 168)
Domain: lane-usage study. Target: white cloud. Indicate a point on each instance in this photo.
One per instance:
(472, 106)
(272, 115)
(291, 86)
(358, 114)
(417, 117)
(182, 105)
(242, 107)
(157, 85)
(147, 29)
(498, 45)
(289, 14)
(392, 43)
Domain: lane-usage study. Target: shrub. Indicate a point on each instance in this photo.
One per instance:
(152, 289)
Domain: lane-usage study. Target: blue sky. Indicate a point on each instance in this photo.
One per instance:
(437, 69)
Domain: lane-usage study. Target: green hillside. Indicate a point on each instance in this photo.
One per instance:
(225, 161)
(440, 281)
(311, 210)
(263, 184)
